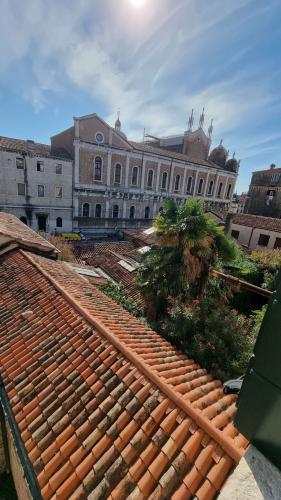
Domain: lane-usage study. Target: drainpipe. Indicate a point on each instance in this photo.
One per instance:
(27, 466)
(253, 228)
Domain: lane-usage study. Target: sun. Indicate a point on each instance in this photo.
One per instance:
(138, 3)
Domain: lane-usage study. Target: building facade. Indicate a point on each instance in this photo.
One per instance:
(254, 232)
(122, 183)
(264, 196)
(36, 185)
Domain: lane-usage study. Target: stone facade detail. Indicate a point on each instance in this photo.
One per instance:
(264, 196)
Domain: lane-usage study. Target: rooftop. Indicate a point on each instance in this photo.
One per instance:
(31, 148)
(257, 221)
(105, 407)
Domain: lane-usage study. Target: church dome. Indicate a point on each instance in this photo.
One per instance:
(232, 165)
(219, 155)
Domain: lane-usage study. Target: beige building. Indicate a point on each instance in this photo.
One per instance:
(255, 232)
(122, 183)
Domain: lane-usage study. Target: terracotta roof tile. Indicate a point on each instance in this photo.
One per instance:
(32, 148)
(105, 407)
(257, 221)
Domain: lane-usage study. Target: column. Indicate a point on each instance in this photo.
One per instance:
(127, 171)
(107, 208)
(143, 174)
(124, 209)
(183, 192)
(207, 183)
(170, 187)
(76, 163)
(157, 187)
(195, 183)
(108, 169)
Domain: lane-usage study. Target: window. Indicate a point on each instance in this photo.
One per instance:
(59, 222)
(228, 190)
(24, 220)
(41, 191)
(21, 189)
(132, 212)
(150, 179)
(58, 191)
(210, 189)
(135, 176)
(40, 166)
(277, 243)
(263, 240)
(99, 137)
(200, 186)
(58, 168)
(98, 164)
(20, 163)
(117, 174)
(146, 212)
(86, 210)
(177, 182)
(235, 234)
(275, 178)
(98, 211)
(115, 211)
(220, 189)
(164, 180)
(189, 185)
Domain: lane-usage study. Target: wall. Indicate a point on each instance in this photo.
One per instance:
(249, 234)
(17, 470)
(64, 140)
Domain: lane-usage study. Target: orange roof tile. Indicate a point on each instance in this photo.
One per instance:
(111, 422)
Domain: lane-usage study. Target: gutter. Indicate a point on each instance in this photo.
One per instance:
(29, 474)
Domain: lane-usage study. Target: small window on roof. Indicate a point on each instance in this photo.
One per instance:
(150, 230)
(235, 234)
(127, 266)
(263, 240)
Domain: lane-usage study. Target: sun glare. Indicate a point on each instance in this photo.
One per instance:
(138, 3)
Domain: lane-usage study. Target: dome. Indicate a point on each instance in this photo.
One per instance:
(232, 165)
(219, 155)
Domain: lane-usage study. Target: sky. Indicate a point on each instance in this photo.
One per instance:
(154, 62)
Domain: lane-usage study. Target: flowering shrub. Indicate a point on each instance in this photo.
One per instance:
(217, 337)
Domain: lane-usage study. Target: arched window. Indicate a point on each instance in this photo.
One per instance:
(177, 182)
(132, 212)
(150, 178)
(59, 222)
(117, 173)
(23, 219)
(146, 212)
(115, 212)
(98, 164)
(210, 189)
(86, 210)
(220, 189)
(189, 185)
(135, 176)
(164, 180)
(228, 190)
(200, 186)
(98, 211)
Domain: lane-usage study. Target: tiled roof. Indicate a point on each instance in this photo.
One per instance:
(257, 221)
(30, 147)
(140, 237)
(146, 148)
(107, 257)
(14, 233)
(105, 407)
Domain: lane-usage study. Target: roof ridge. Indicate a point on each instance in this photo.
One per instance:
(138, 362)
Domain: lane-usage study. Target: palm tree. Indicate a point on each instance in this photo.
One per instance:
(189, 244)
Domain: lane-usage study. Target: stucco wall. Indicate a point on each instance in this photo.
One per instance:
(249, 236)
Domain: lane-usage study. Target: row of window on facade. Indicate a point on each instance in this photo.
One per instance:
(115, 211)
(20, 164)
(164, 180)
(40, 190)
(262, 241)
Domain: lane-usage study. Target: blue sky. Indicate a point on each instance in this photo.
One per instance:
(65, 58)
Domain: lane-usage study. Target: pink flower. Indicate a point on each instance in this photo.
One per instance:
(196, 301)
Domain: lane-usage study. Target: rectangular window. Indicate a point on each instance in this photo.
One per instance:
(20, 163)
(277, 243)
(58, 168)
(21, 189)
(41, 191)
(235, 234)
(263, 240)
(58, 191)
(40, 166)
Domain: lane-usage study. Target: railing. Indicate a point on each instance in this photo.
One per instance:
(243, 284)
(107, 222)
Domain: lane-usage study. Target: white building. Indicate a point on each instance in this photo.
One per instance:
(36, 185)
(254, 231)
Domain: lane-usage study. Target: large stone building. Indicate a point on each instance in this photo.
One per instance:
(36, 184)
(264, 196)
(120, 182)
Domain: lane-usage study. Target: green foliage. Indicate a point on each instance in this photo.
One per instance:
(269, 263)
(257, 318)
(118, 293)
(217, 337)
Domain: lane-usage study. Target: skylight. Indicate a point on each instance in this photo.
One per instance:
(150, 230)
(86, 272)
(127, 266)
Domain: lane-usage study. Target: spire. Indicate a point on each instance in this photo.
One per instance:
(118, 123)
(190, 122)
(221, 143)
(233, 155)
(201, 119)
(210, 129)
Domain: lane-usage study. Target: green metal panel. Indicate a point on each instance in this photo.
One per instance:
(259, 403)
